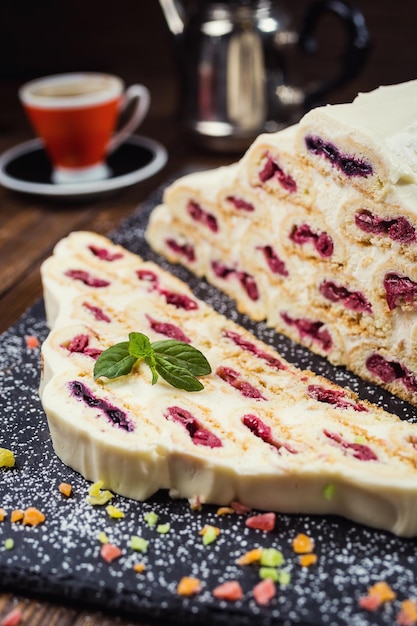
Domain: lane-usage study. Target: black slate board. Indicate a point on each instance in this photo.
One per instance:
(60, 558)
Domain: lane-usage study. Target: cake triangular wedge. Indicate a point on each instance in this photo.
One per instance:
(261, 431)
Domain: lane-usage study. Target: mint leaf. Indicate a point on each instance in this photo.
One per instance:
(183, 356)
(115, 361)
(176, 361)
(178, 377)
(151, 362)
(139, 345)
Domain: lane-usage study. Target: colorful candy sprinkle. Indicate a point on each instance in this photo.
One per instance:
(188, 586)
(97, 496)
(139, 544)
(32, 517)
(151, 518)
(407, 615)
(13, 618)
(230, 591)
(306, 560)
(114, 512)
(209, 534)
(264, 591)
(252, 556)
(302, 544)
(139, 568)
(65, 489)
(110, 552)
(32, 342)
(378, 594)
(7, 458)
(264, 521)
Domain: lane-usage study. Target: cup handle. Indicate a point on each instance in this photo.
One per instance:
(142, 96)
(358, 45)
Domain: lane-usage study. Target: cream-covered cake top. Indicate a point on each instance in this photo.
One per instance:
(376, 134)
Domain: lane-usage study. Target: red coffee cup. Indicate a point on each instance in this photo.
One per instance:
(76, 115)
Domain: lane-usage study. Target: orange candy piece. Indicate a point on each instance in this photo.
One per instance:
(308, 559)
(65, 489)
(382, 591)
(225, 510)
(16, 515)
(252, 556)
(188, 586)
(377, 594)
(32, 342)
(302, 544)
(408, 613)
(139, 568)
(32, 516)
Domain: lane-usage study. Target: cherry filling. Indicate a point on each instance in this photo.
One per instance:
(147, 276)
(105, 255)
(310, 329)
(97, 312)
(398, 229)
(186, 250)
(271, 169)
(87, 278)
(399, 291)
(334, 397)
(348, 164)
(167, 329)
(203, 217)
(322, 242)
(79, 343)
(359, 451)
(114, 415)
(275, 264)
(251, 347)
(240, 204)
(199, 435)
(232, 377)
(246, 280)
(353, 300)
(179, 300)
(263, 431)
(388, 371)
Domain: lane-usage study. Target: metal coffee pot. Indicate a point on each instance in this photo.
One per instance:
(232, 56)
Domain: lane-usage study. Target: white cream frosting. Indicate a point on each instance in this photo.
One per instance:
(289, 476)
(384, 121)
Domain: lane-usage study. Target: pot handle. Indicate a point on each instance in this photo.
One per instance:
(356, 52)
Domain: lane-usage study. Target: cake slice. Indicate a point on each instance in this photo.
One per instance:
(326, 253)
(370, 143)
(261, 431)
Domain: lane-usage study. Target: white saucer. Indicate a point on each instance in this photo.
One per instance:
(26, 168)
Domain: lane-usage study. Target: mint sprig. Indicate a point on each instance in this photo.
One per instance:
(176, 361)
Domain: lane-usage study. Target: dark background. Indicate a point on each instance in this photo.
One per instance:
(130, 37)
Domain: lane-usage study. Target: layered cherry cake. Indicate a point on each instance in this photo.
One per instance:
(261, 431)
(316, 233)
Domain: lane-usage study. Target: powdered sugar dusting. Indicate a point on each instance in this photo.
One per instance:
(61, 557)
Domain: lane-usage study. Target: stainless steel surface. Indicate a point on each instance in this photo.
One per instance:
(233, 58)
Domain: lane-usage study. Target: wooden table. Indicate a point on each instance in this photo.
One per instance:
(29, 228)
(30, 225)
